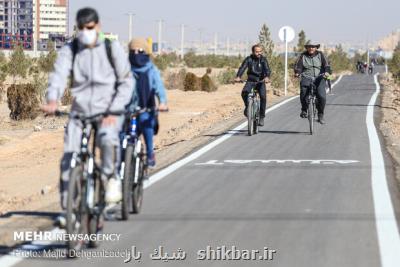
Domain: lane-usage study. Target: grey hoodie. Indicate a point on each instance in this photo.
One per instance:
(94, 79)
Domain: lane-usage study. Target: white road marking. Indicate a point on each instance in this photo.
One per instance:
(278, 161)
(386, 225)
(10, 260)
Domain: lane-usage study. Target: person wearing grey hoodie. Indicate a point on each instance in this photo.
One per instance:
(100, 85)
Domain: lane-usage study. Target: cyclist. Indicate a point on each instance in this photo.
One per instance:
(371, 67)
(148, 85)
(98, 86)
(312, 63)
(257, 70)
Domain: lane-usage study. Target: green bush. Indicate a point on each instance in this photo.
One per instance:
(339, 60)
(214, 61)
(166, 60)
(226, 76)
(394, 64)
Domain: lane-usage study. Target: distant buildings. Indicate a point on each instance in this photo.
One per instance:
(33, 23)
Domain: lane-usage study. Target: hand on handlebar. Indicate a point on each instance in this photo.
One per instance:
(50, 108)
(163, 107)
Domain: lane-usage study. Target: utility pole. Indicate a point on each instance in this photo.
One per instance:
(160, 36)
(201, 41)
(182, 41)
(228, 44)
(131, 15)
(215, 43)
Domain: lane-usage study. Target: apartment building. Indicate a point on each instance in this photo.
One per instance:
(32, 22)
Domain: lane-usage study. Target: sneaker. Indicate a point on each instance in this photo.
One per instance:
(151, 161)
(303, 114)
(245, 112)
(113, 191)
(321, 118)
(261, 122)
(61, 221)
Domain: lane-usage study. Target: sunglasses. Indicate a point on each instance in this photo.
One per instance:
(139, 51)
(311, 46)
(82, 27)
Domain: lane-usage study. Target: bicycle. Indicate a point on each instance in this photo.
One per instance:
(86, 189)
(133, 169)
(312, 100)
(253, 109)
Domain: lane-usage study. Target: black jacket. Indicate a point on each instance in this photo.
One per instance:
(257, 68)
(298, 67)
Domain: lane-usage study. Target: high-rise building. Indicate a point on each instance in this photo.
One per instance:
(30, 22)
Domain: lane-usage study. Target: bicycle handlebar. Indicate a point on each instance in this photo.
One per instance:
(247, 81)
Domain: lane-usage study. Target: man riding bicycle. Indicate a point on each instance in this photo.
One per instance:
(101, 84)
(312, 63)
(257, 70)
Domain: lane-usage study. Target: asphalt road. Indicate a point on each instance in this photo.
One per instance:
(300, 200)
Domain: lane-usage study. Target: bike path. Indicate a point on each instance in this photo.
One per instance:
(309, 198)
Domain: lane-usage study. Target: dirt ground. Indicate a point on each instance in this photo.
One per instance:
(30, 151)
(390, 120)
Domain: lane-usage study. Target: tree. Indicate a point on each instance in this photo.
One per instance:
(276, 62)
(339, 60)
(266, 41)
(46, 62)
(394, 63)
(18, 64)
(301, 42)
(3, 68)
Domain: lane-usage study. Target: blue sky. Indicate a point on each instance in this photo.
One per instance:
(330, 21)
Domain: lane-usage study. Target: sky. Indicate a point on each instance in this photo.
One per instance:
(338, 21)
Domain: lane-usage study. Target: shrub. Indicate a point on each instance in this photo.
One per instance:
(207, 84)
(226, 76)
(22, 101)
(192, 82)
(175, 80)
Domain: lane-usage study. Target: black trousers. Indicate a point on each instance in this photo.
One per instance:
(321, 95)
(262, 90)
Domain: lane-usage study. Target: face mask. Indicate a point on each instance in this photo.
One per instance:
(138, 60)
(87, 37)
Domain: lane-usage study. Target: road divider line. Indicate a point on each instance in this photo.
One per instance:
(385, 219)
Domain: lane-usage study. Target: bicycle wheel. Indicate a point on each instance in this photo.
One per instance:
(137, 185)
(77, 216)
(310, 114)
(250, 117)
(96, 218)
(256, 116)
(129, 173)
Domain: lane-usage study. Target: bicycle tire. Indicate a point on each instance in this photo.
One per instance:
(76, 208)
(256, 116)
(137, 188)
(129, 172)
(250, 117)
(311, 115)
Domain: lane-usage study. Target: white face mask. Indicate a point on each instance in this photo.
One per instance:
(87, 37)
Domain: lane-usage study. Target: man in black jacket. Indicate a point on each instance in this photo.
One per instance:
(257, 70)
(312, 63)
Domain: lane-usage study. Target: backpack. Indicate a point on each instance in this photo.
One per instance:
(107, 42)
(75, 48)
